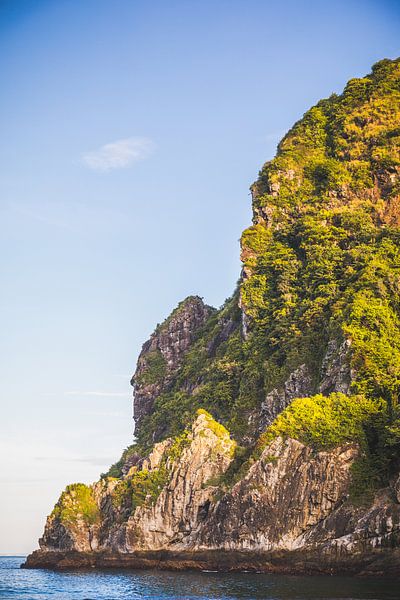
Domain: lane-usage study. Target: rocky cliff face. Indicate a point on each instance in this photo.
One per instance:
(175, 492)
(268, 431)
(291, 498)
(162, 354)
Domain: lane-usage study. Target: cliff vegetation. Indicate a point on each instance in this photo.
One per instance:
(273, 423)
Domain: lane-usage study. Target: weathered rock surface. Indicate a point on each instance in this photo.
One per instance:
(161, 355)
(285, 494)
(336, 373)
(182, 507)
(298, 385)
(291, 498)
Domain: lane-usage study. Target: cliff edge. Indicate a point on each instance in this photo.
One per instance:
(268, 431)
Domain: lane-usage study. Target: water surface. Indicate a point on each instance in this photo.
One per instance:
(16, 583)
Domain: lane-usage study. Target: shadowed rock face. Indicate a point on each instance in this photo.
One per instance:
(179, 512)
(298, 385)
(291, 498)
(285, 494)
(161, 355)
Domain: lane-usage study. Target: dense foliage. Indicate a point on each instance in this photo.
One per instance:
(321, 263)
(76, 503)
(322, 260)
(324, 422)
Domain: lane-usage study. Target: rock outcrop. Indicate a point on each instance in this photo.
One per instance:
(299, 384)
(268, 431)
(284, 495)
(179, 512)
(335, 369)
(176, 492)
(291, 498)
(161, 355)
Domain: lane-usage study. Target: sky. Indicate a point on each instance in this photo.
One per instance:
(130, 134)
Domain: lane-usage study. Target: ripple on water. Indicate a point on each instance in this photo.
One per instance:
(21, 584)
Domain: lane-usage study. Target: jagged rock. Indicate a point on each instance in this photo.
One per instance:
(182, 506)
(349, 529)
(291, 498)
(58, 537)
(161, 355)
(154, 459)
(336, 375)
(288, 491)
(298, 385)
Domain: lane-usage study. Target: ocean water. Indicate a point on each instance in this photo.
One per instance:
(16, 583)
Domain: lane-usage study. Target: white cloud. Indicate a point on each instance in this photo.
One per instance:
(119, 154)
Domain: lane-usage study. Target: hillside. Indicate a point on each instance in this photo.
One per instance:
(272, 424)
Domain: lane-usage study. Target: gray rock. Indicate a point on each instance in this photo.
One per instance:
(168, 345)
(336, 375)
(298, 385)
(292, 497)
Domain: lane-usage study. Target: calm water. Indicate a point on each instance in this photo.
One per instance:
(24, 584)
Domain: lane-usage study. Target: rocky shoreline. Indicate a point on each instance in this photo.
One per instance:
(298, 562)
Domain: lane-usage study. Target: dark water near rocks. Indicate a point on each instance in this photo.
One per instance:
(24, 584)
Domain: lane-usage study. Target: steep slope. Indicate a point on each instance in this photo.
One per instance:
(162, 355)
(301, 366)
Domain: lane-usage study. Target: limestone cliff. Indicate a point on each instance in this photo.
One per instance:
(268, 431)
(291, 498)
(162, 354)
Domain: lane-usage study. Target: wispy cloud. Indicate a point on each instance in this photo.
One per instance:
(119, 154)
(97, 393)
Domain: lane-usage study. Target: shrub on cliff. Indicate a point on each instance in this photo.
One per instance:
(321, 265)
(75, 503)
(324, 422)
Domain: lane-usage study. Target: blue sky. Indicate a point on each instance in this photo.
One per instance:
(130, 133)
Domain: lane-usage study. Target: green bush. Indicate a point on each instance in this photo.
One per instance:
(75, 503)
(324, 422)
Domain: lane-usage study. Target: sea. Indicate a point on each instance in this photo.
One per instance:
(22, 584)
